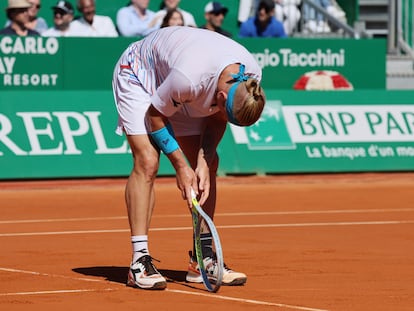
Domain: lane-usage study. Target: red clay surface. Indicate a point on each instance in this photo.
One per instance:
(307, 242)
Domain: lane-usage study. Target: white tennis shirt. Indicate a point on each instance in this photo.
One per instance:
(180, 67)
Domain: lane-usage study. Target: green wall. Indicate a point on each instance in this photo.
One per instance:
(59, 134)
(87, 64)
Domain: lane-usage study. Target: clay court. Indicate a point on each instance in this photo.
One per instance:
(307, 242)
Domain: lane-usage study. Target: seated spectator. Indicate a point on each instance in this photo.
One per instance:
(264, 24)
(18, 14)
(169, 5)
(134, 19)
(92, 25)
(172, 18)
(287, 11)
(62, 18)
(314, 22)
(36, 22)
(214, 13)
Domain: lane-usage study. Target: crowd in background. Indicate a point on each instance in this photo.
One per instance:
(255, 18)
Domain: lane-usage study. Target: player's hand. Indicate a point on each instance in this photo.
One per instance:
(203, 176)
(186, 180)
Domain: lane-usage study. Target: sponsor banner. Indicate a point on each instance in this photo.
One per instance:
(45, 63)
(62, 134)
(375, 123)
(327, 124)
(71, 134)
(351, 136)
(361, 62)
(30, 62)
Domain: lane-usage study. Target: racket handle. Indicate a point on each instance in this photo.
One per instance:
(193, 194)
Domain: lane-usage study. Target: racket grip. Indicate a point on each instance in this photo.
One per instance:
(193, 194)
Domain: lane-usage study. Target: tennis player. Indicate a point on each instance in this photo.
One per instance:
(175, 90)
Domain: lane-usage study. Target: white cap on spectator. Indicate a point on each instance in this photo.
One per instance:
(215, 7)
(65, 6)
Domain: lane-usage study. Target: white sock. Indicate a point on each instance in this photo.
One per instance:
(139, 246)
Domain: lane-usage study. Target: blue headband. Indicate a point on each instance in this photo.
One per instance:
(240, 77)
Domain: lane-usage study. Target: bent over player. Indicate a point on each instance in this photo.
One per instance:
(175, 90)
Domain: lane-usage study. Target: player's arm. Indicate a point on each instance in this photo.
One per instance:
(212, 134)
(207, 160)
(164, 138)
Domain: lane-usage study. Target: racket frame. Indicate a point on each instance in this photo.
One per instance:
(197, 213)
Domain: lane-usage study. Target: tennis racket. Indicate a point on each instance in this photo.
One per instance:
(212, 274)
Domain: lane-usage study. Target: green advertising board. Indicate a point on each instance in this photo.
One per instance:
(327, 132)
(60, 134)
(37, 63)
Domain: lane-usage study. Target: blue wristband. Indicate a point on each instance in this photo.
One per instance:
(164, 140)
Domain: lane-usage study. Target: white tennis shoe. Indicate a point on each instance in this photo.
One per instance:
(230, 277)
(143, 274)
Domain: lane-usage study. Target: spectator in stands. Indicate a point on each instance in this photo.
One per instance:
(172, 18)
(36, 22)
(288, 12)
(92, 25)
(264, 24)
(169, 5)
(214, 13)
(62, 18)
(18, 14)
(314, 22)
(134, 19)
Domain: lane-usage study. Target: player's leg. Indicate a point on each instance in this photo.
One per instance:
(230, 277)
(139, 197)
(193, 129)
(139, 188)
(132, 102)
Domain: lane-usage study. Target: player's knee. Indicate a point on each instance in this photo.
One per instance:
(146, 166)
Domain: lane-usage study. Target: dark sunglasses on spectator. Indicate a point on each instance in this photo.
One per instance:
(218, 13)
(20, 10)
(60, 12)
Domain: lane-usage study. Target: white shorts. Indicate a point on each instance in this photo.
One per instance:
(132, 102)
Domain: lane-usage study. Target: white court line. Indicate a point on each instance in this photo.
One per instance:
(347, 211)
(209, 295)
(28, 221)
(256, 302)
(48, 275)
(286, 225)
(62, 291)
(339, 211)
